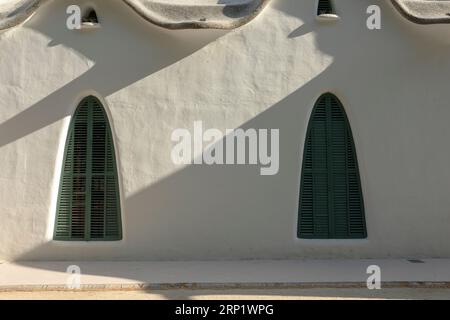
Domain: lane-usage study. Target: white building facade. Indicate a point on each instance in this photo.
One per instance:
(155, 67)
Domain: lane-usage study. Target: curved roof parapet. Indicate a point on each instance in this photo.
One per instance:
(424, 11)
(170, 14)
(195, 14)
(14, 12)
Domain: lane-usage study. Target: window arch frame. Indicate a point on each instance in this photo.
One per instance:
(331, 5)
(356, 175)
(113, 175)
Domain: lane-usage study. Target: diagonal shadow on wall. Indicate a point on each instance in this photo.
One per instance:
(112, 70)
(182, 194)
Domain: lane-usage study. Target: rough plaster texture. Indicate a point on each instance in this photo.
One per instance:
(170, 14)
(267, 74)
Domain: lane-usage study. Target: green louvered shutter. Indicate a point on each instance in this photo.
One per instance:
(89, 202)
(331, 202)
(325, 7)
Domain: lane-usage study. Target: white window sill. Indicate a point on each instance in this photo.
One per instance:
(331, 242)
(90, 26)
(327, 17)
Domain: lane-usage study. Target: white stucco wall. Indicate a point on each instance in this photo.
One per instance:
(393, 83)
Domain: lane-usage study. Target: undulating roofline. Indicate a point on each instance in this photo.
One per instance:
(169, 14)
(424, 11)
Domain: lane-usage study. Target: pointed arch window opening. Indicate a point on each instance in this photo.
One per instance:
(90, 16)
(326, 11)
(88, 207)
(331, 202)
(89, 19)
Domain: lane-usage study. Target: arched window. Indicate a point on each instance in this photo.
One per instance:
(90, 17)
(331, 201)
(325, 7)
(88, 206)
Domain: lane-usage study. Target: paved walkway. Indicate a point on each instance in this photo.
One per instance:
(226, 294)
(266, 275)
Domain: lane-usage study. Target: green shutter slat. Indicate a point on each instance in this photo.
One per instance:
(330, 201)
(97, 221)
(89, 202)
(325, 7)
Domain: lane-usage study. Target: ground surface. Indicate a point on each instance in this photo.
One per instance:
(250, 272)
(253, 279)
(284, 294)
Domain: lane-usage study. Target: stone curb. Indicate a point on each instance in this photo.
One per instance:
(223, 286)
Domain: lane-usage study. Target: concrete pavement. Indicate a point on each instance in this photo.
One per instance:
(253, 274)
(233, 294)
